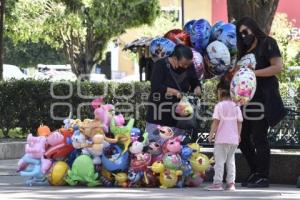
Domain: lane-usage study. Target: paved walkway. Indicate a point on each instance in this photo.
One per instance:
(12, 187)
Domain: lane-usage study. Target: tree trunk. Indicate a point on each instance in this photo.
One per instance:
(262, 11)
(2, 10)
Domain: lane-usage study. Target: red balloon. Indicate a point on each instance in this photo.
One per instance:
(178, 36)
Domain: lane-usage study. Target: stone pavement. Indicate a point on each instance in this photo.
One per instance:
(13, 187)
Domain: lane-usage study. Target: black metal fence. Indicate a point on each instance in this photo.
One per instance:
(285, 135)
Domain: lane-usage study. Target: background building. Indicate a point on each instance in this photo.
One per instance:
(124, 64)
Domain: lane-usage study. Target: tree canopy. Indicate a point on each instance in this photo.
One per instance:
(81, 28)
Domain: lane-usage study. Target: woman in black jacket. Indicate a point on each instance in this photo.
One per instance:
(165, 92)
(266, 108)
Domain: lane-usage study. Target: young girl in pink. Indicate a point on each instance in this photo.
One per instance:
(225, 129)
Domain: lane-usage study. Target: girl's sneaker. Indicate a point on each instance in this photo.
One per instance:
(230, 187)
(214, 187)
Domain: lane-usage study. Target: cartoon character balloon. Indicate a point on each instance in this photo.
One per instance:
(227, 35)
(218, 57)
(200, 34)
(114, 160)
(179, 37)
(243, 83)
(161, 47)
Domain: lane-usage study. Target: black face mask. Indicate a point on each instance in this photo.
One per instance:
(248, 40)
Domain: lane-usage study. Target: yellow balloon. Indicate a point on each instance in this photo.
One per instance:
(57, 173)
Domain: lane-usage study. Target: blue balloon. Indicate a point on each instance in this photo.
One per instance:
(228, 37)
(72, 156)
(200, 34)
(161, 47)
(215, 30)
(188, 26)
(135, 132)
(186, 152)
(113, 160)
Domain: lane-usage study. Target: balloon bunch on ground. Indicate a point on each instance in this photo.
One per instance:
(106, 151)
(214, 54)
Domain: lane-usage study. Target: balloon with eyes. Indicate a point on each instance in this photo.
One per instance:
(135, 178)
(173, 145)
(140, 159)
(165, 132)
(155, 149)
(123, 132)
(82, 171)
(186, 153)
(96, 148)
(33, 163)
(59, 144)
(168, 178)
(79, 140)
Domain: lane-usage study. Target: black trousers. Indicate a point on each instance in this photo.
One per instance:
(255, 146)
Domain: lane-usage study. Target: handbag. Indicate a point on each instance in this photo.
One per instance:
(192, 121)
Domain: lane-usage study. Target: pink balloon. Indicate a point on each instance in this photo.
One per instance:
(96, 103)
(198, 63)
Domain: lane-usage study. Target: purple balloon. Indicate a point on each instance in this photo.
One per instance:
(198, 63)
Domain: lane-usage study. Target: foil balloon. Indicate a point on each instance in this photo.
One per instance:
(195, 180)
(82, 172)
(140, 162)
(57, 173)
(215, 30)
(198, 63)
(200, 34)
(114, 160)
(243, 83)
(227, 36)
(172, 161)
(200, 163)
(218, 57)
(188, 26)
(179, 37)
(161, 47)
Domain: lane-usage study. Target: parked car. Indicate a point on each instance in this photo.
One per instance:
(13, 72)
(94, 77)
(55, 72)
